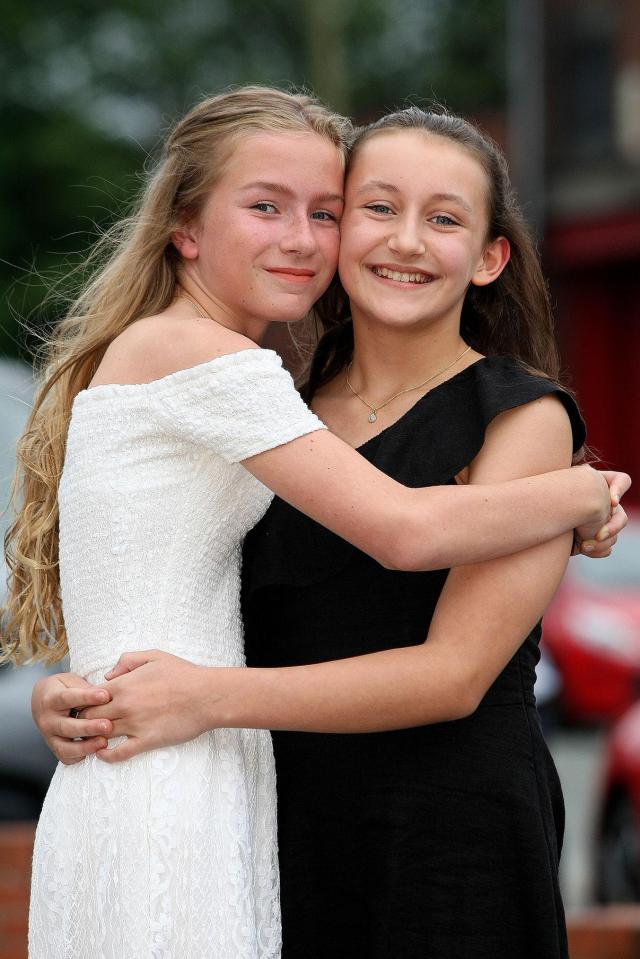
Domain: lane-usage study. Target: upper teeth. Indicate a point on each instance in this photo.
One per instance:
(401, 277)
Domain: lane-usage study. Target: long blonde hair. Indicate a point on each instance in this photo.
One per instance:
(132, 272)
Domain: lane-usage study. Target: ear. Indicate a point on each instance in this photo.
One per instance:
(495, 257)
(185, 241)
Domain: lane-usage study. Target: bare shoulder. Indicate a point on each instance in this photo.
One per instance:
(547, 413)
(156, 346)
(532, 438)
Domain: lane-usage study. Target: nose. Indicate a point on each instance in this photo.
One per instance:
(298, 236)
(407, 238)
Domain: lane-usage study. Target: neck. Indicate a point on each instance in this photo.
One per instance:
(248, 326)
(387, 359)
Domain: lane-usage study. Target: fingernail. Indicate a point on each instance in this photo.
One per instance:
(603, 534)
(588, 547)
(103, 696)
(104, 727)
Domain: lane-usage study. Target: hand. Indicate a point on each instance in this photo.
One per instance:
(598, 542)
(156, 700)
(52, 699)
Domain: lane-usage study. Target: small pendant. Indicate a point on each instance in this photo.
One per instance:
(373, 416)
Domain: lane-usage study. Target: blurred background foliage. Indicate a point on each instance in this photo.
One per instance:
(88, 89)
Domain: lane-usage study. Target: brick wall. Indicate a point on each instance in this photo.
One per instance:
(16, 843)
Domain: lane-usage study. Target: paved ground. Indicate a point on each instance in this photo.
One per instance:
(578, 756)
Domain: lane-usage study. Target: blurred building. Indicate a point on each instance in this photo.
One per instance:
(592, 211)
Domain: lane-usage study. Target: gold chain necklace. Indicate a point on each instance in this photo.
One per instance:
(200, 310)
(373, 415)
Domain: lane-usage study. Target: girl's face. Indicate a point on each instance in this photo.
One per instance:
(266, 244)
(414, 230)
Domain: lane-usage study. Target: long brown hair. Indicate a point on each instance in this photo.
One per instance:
(132, 272)
(511, 316)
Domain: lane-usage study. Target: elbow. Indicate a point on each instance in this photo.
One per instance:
(408, 557)
(406, 549)
(401, 558)
(464, 701)
(456, 705)
(394, 557)
(466, 705)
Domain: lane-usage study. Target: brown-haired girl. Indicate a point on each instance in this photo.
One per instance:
(173, 852)
(443, 839)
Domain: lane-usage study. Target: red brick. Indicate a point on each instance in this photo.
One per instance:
(16, 845)
(13, 947)
(608, 932)
(14, 921)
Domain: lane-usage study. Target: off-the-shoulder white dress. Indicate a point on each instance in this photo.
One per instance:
(172, 854)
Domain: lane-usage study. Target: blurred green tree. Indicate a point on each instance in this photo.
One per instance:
(88, 90)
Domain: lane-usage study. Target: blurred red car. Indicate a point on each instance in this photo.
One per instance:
(618, 825)
(591, 632)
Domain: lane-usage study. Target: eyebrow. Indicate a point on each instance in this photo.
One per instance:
(453, 198)
(392, 188)
(271, 187)
(377, 185)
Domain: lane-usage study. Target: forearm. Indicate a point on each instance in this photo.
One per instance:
(478, 523)
(483, 616)
(393, 689)
(421, 529)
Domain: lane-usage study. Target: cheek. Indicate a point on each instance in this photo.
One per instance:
(357, 241)
(457, 258)
(232, 234)
(346, 264)
(329, 246)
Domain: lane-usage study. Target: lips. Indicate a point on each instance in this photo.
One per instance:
(290, 271)
(409, 275)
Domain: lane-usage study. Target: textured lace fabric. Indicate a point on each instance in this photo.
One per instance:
(172, 854)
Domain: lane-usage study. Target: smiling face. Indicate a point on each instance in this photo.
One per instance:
(265, 246)
(414, 230)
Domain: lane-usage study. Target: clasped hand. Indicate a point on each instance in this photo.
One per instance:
(153, 698)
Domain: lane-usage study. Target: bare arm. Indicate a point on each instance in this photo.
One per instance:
(483, 616)
(434, 528)
(329, 481)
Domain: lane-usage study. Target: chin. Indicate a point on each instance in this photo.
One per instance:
(392, 319)
(288, 313)
(297, 318)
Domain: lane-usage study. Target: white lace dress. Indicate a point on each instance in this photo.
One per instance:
(172, 854)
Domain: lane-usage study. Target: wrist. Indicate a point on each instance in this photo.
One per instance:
(599, 501)
(592, 501)
(36, 701)
(222, 697)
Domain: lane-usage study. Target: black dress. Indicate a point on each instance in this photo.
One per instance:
(438, 842)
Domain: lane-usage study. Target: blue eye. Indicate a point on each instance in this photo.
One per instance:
(381, 208)
(323, 215)
(443, 220)
(264, 207)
